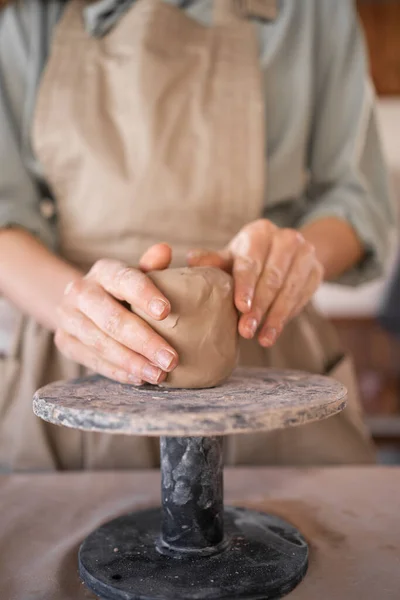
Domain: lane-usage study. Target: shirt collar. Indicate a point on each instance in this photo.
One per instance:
(101, 16)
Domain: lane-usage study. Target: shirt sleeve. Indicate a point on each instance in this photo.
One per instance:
(20, 194)
(347, 173)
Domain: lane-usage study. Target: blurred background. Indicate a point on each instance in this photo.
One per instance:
(356, 313)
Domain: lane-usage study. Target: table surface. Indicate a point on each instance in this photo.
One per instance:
(350, 517)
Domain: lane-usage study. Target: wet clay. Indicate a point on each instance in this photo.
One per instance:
(202, 325)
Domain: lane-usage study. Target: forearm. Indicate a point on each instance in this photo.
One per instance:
(33, 278)
(336, 244)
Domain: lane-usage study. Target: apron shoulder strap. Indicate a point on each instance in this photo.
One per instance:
(71, 24)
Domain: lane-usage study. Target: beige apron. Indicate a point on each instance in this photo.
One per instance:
(152, 133)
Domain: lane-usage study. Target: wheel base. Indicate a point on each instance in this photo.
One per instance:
(265, 558)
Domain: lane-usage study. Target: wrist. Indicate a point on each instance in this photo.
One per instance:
(33, 278)
(336, 244)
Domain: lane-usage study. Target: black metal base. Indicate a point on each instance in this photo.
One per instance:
(264, 557)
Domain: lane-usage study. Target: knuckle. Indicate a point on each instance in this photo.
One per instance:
(258, 227)
(127, 276)
(273, 278)
(112, 323)
(97, 343)
(87, 297)
(292, 237)
(101, 265)
(125, 273)
(240, 244)
(246, 264)
(74, 288)
(263, 226)
(97, 268)
(104, 269)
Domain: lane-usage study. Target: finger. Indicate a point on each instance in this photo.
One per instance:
(288, 298)
(158, 257)
(284, 245)
(131, 286)
(206, 258)
(78, 352)
(78, 326)
(250, 248)
(311, 286)
(119, 323)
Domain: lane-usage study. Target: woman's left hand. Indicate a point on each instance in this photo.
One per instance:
(275, 271)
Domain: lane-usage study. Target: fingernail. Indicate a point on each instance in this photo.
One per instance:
(247, 301)
(135, 380)
(152, 374)
(157, 307)
(251, 326)
(165, 359)
(269, 337)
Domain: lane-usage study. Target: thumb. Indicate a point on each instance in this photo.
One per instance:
(157, 257)
(207, 258)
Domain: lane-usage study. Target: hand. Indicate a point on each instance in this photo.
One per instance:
(275, 271)
(97, 331)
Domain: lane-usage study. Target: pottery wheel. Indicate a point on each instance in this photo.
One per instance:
(251, 400)
(193, 548)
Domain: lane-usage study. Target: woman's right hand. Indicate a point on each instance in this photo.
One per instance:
(97, 331)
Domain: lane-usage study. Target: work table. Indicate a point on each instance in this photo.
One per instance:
(349, 515)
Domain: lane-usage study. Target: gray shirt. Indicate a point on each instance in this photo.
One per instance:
(323, 152)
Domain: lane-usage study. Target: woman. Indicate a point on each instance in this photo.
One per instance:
(243, 135)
